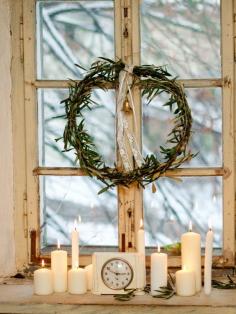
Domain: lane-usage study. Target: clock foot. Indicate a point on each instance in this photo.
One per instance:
(139, 292)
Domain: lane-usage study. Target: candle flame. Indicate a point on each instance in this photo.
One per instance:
(75, 224)
(141, 223)
(158, 248)
(79, 219)
(58, 244)
(190, 226)
(43, 263)
(210, 224)
(184, 267)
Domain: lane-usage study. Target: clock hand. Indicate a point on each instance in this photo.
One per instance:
(117, 274)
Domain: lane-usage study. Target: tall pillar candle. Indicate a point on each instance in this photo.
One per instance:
(208, 261)
(141, 250)
(191, 254)
(43, 281)
(158, 271)
(59, 269)
(75, 246)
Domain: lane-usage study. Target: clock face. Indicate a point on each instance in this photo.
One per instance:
(117, 273)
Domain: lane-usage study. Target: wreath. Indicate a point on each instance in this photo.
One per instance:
(152, 81)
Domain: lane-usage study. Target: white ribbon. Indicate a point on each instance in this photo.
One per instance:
(123, 129)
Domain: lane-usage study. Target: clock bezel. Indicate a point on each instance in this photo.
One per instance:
(115, 259)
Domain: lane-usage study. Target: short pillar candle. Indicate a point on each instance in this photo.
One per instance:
(185, 282)
(89, 276)
(77, 281)
(43, 281)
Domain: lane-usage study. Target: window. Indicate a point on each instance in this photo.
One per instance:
(186, 36)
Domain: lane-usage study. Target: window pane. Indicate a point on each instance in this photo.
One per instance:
(64, 198)
(70, 32)
(169, 210)
(206, 139)
(184, 35)
(52, 123)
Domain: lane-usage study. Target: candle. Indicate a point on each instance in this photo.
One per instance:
(208, 260)
(185, 282)
(89, 276)
(77, 281)
(43, 281)
(158, 271)
(59, 269)
(75, 245)
(141, 239)
(141, 276)
(191, 254)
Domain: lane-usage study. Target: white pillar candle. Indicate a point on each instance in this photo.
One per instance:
(158, 271)
(43, 281)
(89, 276)
(191, 254)
(185, 282)
(59, 269)
(75, 246)
(208, 261)
(141, 276)
(77, 281)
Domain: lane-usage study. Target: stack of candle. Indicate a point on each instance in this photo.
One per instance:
(58, 279)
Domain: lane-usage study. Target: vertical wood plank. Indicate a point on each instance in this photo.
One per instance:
(228, 92)
(18, 129)
(29, 7)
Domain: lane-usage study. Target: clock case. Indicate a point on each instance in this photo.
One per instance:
(135, 260)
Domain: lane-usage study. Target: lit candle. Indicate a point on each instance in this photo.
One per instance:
(185, 282)
(59, 269)
(43, 281)
(208, 260)
(77, 281)
(191, 254)
(158, 271)
(89, 275)
(141, 276)
(75, 245)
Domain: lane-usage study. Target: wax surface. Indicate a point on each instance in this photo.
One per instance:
(158, 271)
(77, 281)
(59, 270)
(191, 255)
(185, 283)
(43, 281)
(208, 262)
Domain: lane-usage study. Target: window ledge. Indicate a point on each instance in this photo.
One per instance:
(19, 291)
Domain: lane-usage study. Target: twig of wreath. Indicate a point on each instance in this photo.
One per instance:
(152, 81)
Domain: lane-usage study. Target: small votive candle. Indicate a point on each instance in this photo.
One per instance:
(43, 281)
(185, 282)
(77, 281)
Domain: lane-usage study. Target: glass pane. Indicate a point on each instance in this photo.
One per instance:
(72, 32)
(184, 35)
(52, 123)
(64, 198)
(169, 210)
(206, 139)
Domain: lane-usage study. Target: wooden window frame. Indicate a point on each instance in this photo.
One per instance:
(26, 170)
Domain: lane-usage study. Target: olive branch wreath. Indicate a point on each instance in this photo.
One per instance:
(152, 81)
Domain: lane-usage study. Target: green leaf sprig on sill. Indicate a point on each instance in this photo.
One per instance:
(229, 284)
